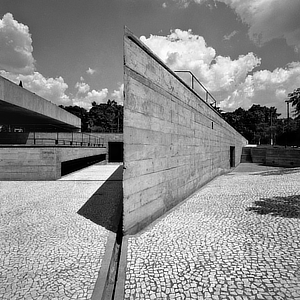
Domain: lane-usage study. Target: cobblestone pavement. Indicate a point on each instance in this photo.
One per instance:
(47, 249)
(237, 238)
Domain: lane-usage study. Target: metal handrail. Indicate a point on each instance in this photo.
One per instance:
(96, 142)
(193, 77)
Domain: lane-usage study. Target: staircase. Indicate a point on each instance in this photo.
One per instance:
(246, 155)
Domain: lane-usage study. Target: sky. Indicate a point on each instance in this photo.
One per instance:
(70, 52)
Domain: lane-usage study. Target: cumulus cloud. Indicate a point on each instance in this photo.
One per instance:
(85, 101)
(230, 36)
(265, 87)
(17, 64)
(234, 83)
(183, 50)
(82, 87)
(270, 19)
(90, 71)
(117, 95)
(16, 46)
(267, 19)
(52, 89)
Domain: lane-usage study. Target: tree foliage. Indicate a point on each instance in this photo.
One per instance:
(259, 124)
(79, 112)
(294, 98)
(103, 117)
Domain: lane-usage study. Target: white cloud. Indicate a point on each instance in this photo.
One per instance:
(267, 19)
(230, 36)
(16, 46)
(270, 19)
(82, 87)
(52, 89)
(85, 97)
(265, 88)
(182, 50)
(117, 95)
(86, 100)
(90, 71)
(234, 83)
(17, 64)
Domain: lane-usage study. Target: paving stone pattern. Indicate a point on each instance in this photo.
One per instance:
(48, 250)
(237, 238)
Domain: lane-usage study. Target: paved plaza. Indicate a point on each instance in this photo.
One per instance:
(236, 238)
(51, 247)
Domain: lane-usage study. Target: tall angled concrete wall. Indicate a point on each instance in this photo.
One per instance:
(174, 142)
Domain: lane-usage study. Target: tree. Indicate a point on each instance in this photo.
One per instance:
(294, 98)
(257, 124)
(79, 112)
(106, 117)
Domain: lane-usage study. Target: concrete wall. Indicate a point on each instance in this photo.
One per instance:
(109, 137)
(34, 163)
(173, 141)
(278, 157)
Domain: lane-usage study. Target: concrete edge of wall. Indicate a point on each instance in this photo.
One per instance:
(142, 225)
(183, 131)
(130, 35)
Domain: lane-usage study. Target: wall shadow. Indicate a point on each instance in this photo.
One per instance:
(286, 207)
(105, 206)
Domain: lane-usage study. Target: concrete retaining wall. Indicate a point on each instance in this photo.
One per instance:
(34, 163)
(279, 157)
(174, 142)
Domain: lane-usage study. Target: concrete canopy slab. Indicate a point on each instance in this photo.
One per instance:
(21, 107)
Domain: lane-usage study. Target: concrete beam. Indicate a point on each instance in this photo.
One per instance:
(20, 107)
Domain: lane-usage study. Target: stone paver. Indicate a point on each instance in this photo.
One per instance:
(48, 250)
(237, 238)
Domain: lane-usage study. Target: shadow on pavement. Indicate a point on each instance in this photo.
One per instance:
(105, 205)
(286, 207)
(281, 171)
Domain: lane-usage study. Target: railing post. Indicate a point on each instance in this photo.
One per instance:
(192, 81)
(56, 141)
(34, 138)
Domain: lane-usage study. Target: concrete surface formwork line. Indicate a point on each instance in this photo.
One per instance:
(174, 142)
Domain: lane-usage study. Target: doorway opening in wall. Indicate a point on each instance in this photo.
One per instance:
(232, 156)
(115, 152)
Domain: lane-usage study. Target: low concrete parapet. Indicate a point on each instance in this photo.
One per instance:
(274, 156)
(39, 163)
